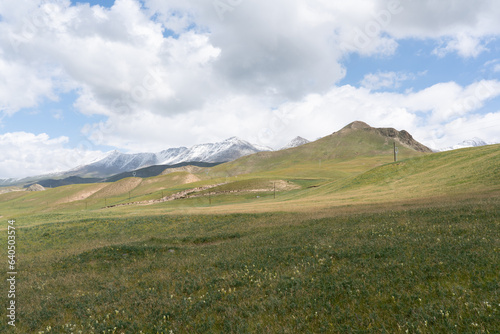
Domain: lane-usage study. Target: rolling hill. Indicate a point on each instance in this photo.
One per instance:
(329, 156)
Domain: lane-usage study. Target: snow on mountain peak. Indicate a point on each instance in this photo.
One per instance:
(297, 141)
(234, 140)
(114, 162)
(474, 142)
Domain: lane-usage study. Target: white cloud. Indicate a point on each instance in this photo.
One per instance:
(438, 116)
(16, 78)
(280, 49)
(492, 66)
(313, 116)
(425, 113)
(471, 126)
(389, 80)
(117, 58)
(465, 27)
(147, 131)
(262, 70)
(465, 45)
(26, 154)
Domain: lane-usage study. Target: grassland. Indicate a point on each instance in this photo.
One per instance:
(348, 243)
(422, 268)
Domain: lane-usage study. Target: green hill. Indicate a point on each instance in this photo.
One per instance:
(364, 146)
(464, 171)
(452, 170)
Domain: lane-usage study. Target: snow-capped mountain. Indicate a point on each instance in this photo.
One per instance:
(127, 161)
(116, 162)
(228, 150)
(296, 142)
(474, 142)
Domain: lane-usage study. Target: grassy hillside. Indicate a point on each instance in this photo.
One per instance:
(343, 153)
(445, 173)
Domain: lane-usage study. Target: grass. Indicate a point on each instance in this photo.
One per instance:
(480, 166)
(422, 268)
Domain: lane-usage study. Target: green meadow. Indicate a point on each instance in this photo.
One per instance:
(416, 268)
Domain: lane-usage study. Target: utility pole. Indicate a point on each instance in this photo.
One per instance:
(274, 186)
(209, 198)
(395, 152)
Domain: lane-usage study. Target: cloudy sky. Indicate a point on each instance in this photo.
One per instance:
(78, 79)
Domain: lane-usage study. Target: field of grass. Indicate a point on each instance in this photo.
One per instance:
(419, 268)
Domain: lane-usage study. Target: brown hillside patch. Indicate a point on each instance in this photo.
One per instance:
(84, 194)
(190, 169)
(186, 178)
(285, 185)
(10, 189)
(119, 187)
(279, 185)
(166, 181)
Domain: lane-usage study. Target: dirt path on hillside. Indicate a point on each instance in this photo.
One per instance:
(180, 195)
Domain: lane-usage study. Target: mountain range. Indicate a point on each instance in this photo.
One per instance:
(117, 162)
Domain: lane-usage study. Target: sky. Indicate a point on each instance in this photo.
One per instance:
(81, 78)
